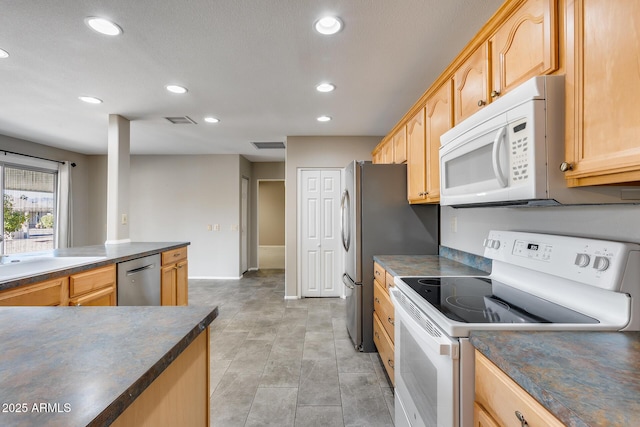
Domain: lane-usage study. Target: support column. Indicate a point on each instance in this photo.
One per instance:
(118, 180)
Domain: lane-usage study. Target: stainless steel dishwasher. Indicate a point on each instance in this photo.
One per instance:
(139, 281)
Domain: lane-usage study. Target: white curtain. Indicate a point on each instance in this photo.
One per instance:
(64, 235)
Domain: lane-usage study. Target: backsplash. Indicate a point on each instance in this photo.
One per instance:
(472, 260)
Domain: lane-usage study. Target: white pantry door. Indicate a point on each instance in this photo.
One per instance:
(320, 270)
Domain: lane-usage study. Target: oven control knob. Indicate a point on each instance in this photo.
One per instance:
(495, 244)
(582, 260)
(601, 263)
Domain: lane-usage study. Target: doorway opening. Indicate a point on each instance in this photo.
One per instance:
(271, 224)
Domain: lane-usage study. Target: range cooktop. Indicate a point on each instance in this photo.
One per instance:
(484, 300)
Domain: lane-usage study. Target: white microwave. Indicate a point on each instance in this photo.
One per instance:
(510, 152)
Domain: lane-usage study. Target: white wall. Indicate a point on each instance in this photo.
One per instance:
(314, 152)
(80, 177)
(601, 221)
(174, 198)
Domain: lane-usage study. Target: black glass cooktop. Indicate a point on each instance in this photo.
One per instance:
(482, 300)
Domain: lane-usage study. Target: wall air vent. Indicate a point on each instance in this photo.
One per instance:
(269, 145)
(184, 120)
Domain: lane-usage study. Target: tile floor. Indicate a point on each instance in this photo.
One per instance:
(287, 363)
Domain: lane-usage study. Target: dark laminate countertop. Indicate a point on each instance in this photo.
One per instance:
(425, 265)
(583, 378)
(90, 361)
(111, 253)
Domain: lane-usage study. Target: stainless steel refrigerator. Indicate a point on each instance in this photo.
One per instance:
(377, 219)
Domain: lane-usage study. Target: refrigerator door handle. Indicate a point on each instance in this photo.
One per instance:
(345, 220)
(347, 281)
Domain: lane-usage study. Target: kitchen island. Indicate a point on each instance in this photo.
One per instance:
(89, 257)
(94, 366)
(582, 378)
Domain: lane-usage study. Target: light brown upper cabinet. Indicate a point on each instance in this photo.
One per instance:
(417, 158)
(439, 119)
(400, 145)
(471, 81)
(387, 152)
(603, 89)
(524, 46)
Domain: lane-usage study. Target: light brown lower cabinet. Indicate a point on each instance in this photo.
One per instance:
(93, 287)
(502, 402)
(385, 347)
(179, 396)
(174, 277)
(49, 292)
(383, 318)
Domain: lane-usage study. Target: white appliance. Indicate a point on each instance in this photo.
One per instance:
(538, 282)
(512, 153)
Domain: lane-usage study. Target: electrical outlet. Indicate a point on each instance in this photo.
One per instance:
(234, 227)
(216, 227)
(124, 219)
(209, 227)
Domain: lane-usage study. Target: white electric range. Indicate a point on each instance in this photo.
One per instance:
(538, 282)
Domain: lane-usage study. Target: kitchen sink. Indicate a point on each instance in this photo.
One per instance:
(16, 266)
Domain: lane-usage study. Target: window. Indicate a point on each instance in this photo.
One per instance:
(29, 208)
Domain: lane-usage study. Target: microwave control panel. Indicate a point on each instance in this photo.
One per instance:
(520, 150)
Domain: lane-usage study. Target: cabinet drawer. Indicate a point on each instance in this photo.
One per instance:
(174, 255)
(38, 294)
(88, 281)
(389, 282)
(385, 346)
(501, 398)
(383, 306)
(379, 274)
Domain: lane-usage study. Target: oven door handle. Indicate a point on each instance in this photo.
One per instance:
(421, 327)
(497, 168)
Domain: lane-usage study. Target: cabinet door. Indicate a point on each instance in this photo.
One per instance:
(603, 89)
(400, 146)
(387, 152)
(102, 297)
(168, 285)
(524, 46)
(471, 84)
(481, 418)
(417, 158)
(376, 155)
(182, 280)
(439, 118)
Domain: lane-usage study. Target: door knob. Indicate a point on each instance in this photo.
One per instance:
(481, 103)
(495, 93)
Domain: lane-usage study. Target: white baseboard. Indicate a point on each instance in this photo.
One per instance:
(253, 269)
(291, 297)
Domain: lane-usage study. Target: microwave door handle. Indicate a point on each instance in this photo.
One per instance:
(497, 144)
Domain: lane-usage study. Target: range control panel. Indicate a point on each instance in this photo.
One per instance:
(595, 262)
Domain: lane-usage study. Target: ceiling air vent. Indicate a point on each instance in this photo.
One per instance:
(269, 145)
(184, 120)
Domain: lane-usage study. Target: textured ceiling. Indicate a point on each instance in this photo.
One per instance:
(254, 64)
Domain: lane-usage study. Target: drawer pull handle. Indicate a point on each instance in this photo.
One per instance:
(377, 272)
(390, 320)
(377, 300)
(377, 336)
(177, 254)
(390, 363)
(520, 417)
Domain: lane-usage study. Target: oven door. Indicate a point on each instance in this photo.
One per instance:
(426, 369)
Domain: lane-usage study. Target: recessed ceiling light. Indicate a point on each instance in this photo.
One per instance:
(4, 53)
(325, 87)
(103, 26)
(211, 120)
(324, 118)
(176, 89)
(90, 99)
(328, 25)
